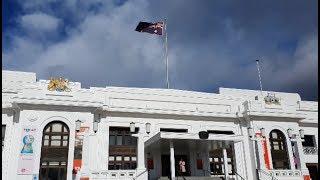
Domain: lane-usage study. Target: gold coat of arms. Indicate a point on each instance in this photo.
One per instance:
(59, 84)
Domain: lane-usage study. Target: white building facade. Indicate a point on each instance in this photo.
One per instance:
(58, 130)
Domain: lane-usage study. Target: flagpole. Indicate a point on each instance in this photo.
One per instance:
(258, 67)
(166, 55)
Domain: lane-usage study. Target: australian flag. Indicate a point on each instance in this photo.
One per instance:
(152, 28)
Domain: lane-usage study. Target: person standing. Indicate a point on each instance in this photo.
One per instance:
(182, 165)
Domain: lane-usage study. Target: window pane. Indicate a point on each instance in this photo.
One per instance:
(46, 143)
(308, 141)
(64, 143)
(111, 166)
(119, 140)
(3, 134)
(65, 129)
(118, 166)
(126, 158)
(62, 173)
(111, 158)
(56, 137)
(56, 127)
(274, 135)
(3, 131)
(53, 163)
(55, 143)
(112, 140)
(53, 173)
(134, 158)
(43, 173)
(127, 140)
(118, 158)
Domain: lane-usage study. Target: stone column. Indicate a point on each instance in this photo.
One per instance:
(141, 160)
(225, 163)
(240, 163)
(172, 163)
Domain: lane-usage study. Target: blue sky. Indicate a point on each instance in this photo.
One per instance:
(212, 44)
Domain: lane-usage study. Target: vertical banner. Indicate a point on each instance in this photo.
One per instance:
(265, 152)
(26, 160)
(77, 162)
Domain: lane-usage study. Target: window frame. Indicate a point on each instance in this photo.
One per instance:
(47, 162)
(280, 155)
(122, 149)
(313, 141)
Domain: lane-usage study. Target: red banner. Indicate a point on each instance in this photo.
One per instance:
(265, 152)
(199, 164)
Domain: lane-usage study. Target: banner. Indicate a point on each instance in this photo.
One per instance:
(27, 155)
(77, 162)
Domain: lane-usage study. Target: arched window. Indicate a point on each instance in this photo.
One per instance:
(279, 151)
(54, 151)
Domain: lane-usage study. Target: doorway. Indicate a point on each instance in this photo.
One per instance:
(165, 165)
(313, 170)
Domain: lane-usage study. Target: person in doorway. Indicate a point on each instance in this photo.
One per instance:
(182, 165)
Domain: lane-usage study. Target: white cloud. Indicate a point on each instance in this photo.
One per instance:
(101, 48)
(39, 22)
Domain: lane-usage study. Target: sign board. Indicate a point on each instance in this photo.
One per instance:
(26, 160)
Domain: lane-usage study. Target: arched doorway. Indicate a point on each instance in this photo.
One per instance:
(279, 150)
(54, 151)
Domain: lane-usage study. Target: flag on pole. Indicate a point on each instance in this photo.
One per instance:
(152, 28)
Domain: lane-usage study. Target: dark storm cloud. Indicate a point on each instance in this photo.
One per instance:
(211, 43)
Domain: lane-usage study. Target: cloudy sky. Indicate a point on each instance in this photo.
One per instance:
(211, 43)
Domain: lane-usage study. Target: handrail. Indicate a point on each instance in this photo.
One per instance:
(239, 175)
(140, 174)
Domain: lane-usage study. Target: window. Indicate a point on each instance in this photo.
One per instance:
(54, 151)
(220, 132)
(173, 130)
(122, 149)
(3, 134)
(279, 152)
(216, 162)
(309, 141)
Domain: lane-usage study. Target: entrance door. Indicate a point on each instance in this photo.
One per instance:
(165, 164)
(313, 170)
(54, 152)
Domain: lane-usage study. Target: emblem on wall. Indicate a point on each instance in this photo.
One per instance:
(59, 84)
(271, 99)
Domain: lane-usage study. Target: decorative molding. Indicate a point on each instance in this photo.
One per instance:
(310, 150)
(33, 118)
(59, 84)
(272, 99)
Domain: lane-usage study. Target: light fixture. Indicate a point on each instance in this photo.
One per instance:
(203, 135)
(301, 131)
(148, 128)
(95, 126)
(263, 132)
(290, 133)
(78, 124)
(250, 132)
(132, 127)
